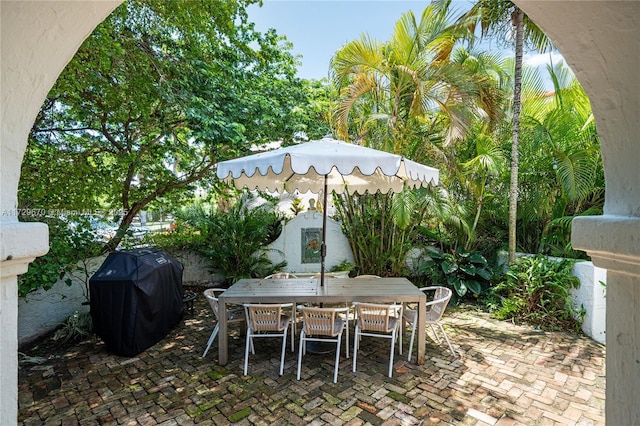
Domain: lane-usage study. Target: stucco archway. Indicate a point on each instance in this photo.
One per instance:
(600, 40)
(38, 39)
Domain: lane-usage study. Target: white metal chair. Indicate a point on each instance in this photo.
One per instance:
(285, 276)
(322, 325)
(376, 320)
(280, 275)
(233, 315)
(266, 321)
(440, 297)
(346, 305)
(364, 277)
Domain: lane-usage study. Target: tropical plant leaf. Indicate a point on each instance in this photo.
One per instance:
(448, 267)
(478, 259)
(469, 269)
(458, 284)
(474, 286)
(484, 273)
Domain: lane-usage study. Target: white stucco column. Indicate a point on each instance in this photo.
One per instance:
(9, 271)
(38, 38)
(601, 42)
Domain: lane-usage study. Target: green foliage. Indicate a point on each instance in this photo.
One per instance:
(77, 326)
(459, 270)
(297, 206)
(561, 173)
(153, 99)
(396, 95)
(345, 265)
(535, 291)
(312, 119)
(381, 228)
(71, 239)
(234, 240)
(183, 237)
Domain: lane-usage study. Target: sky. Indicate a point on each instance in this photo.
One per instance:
(318, 28)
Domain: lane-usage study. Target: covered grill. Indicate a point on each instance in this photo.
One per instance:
(136, 299)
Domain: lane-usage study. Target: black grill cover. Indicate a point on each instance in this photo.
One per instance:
(136, 299)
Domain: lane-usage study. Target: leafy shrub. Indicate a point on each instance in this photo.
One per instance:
(459, 270)
(535, 290)
(345, 265)
(71, 239)
(235, 240)
(76, 327)
(182, 237)
(381, 229)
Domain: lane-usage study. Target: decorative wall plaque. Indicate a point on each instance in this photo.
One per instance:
(311, 239)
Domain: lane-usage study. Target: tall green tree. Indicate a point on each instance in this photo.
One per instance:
(154, 97)
(504, 18)
(475, 162)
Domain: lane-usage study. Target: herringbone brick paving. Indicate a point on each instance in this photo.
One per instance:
(506, 375)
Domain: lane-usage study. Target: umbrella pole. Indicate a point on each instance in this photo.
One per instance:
(323, 246)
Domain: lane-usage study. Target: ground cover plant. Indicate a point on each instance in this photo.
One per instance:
(536, 290)
(71, 242)
(462, 271)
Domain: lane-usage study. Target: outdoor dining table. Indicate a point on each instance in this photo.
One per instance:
(309, 290)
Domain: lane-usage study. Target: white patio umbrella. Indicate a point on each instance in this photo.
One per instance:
(326, 165)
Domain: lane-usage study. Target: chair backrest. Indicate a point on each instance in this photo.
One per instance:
(281, 275)
(377, 317)
(366, 276)
(212, 297)
(322, 321)
(326, 275)
(267, 317)
(437, 305)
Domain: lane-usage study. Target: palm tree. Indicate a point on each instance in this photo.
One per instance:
(566, 152)
(506, 18)
(400, 96)
(407, 88)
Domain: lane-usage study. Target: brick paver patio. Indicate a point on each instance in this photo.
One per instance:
(506, 375)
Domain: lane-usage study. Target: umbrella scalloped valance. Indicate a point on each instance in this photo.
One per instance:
(303, 167)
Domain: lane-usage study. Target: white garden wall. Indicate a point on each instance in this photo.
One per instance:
(43, 311)
(291, 244)
(591, 296)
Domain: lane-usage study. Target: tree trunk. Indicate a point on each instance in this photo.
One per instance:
(517, 21)
(113, 243)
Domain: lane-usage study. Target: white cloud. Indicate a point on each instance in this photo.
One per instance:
(542, 59)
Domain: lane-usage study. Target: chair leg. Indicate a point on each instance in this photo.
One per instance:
(393, 344)
(301, 342)
(246, 350)
(346, 346)
(335, 369)
(284, 349)
(293, 328)
(214, 333)
(356, 339)
(413, 334)
(435, 333)
(447, 339)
